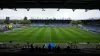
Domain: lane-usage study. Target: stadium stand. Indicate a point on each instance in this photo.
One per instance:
(94, 28)
(84, 47)
(74, 48)
(91, 25)
(50, 22)
(4, 27)
(70, 49)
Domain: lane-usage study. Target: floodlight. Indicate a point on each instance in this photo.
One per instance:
(58, 9)
(15, 9)
(28, 9)
(73, 10)
(1, 8)
(86, 10)
(43, 9)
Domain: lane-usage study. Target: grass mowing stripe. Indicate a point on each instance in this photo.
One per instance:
(8, 36)
(83, 31)
(53, 34)
(26, 36)
(59, 34)
(47, 35)
(18, 30)
(43, 34)
(75, 33)
(68, 36)
(15, 36)
(31, 33)
(84, 38)
(22, 32)
(50, 35)
(19, 36)
(39, 35)
(77, 36)
(87, 34)
(32, 37)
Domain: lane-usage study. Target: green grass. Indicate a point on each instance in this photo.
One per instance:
(49, 34)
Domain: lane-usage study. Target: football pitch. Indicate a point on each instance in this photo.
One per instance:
(49, 34)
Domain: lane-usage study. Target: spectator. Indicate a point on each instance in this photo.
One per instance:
(10, 41)
(68, 49)
(49, 48)
(31, 46)
(87, 42)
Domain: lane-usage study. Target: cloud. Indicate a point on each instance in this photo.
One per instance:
(63, 13)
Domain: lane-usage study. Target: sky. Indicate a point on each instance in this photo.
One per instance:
(50, 13)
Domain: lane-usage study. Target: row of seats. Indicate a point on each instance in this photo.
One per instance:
(94, 28)
(51, 24)
(4, 27)
(55, 49)
(50, 47)
(37, 49)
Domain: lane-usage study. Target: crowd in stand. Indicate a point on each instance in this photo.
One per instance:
(55, 49)
(48, 48)
(5, 27)
(50, 24)
(94, 28)
(28, 47)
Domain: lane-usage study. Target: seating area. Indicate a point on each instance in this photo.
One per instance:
(59, 24)
(57, 48)
(4, 27)
(50, 24)
(37, 24)
(94, 28)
